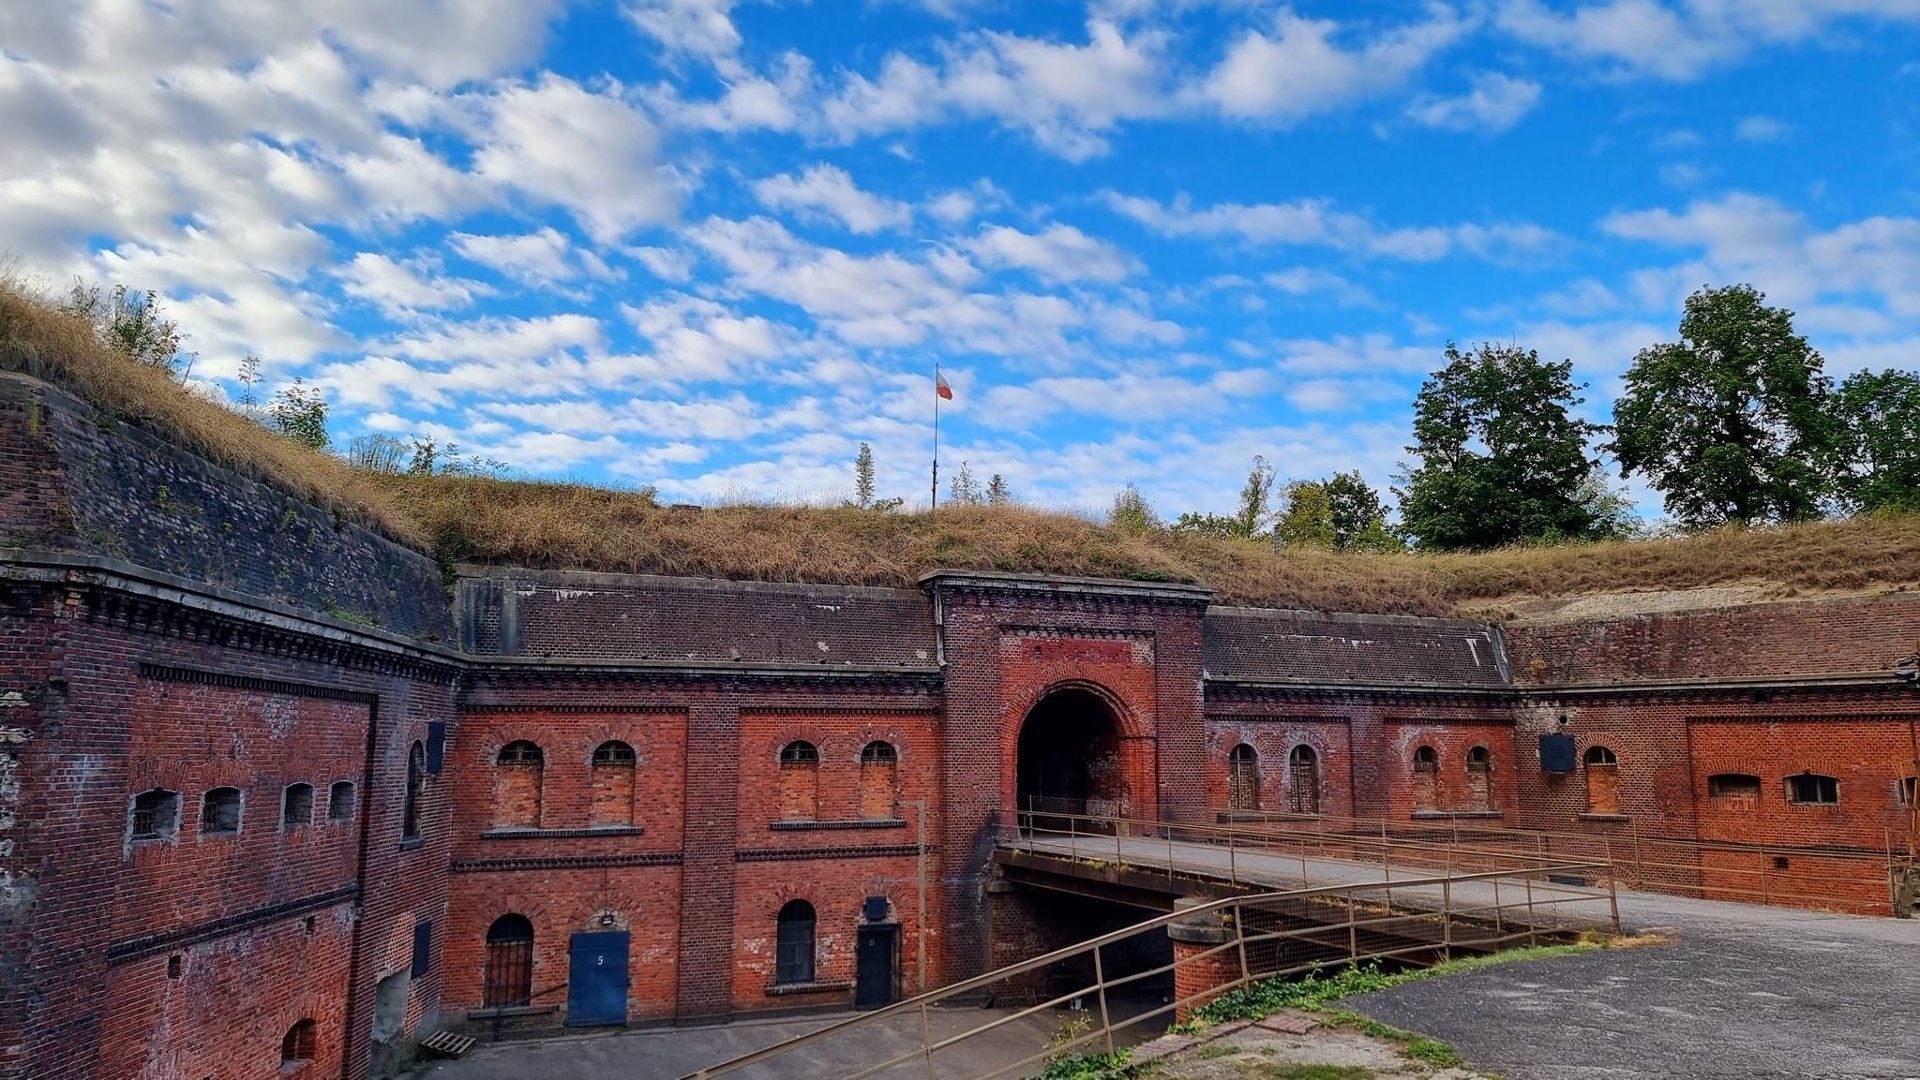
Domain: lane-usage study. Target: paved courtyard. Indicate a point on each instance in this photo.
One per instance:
(1743, 991)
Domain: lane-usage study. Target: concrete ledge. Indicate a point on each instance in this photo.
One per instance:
(784, 989)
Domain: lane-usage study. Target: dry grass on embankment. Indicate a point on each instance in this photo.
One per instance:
(552, 525)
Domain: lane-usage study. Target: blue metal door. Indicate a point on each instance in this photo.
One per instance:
(597, 979)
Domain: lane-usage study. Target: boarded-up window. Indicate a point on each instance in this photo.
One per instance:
(614, 773)
(296, 806)
(296, 1047)
(1907, 785)
(799, 781)
(793, 944)
(416, 792)
(517, 777)
(340, 801)
(1813, 789)
(1243, 778)
(1426, 778)
(1480, 778)
(1603, 780)
(220, 812)
(1733, 787)
(156, 815)
(1303, 780)
(879, 781)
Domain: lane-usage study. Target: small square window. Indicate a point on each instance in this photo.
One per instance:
(296, 806)
(156, 815)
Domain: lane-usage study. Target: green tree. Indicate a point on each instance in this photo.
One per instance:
(1359, 517)
(250, 380)
(1131, 512)
(997, 492)
(132, 323)
(863, 476)
(1307, 520)
(1255, 498)
(426, 458)
(300, 413)
(1501, 457)
(1730, 423)
(1879, 417)
(1218, 526)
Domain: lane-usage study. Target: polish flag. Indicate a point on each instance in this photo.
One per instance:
(940, 386)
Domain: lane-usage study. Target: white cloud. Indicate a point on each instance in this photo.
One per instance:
(1057, 253)
(704, 27)
(1495, 103)
(1684, 40)
(399, 289)
(591, 153)
(699, 340)
(1067, 97)
(1299, 70)
(537, 258)
(828, 190)
(1315, 222)
(1759, 129)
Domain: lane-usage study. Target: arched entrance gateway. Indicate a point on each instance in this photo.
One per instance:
(1068, 760)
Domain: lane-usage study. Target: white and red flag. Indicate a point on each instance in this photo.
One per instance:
(940, 386)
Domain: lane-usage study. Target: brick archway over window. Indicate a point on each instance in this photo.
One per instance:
(1243, 778)
(1303, 780)
(1603, 780)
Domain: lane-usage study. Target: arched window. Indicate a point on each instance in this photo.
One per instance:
(793, 948)
(879, 781)
(1426, 778)
(220, 812)
(296, 806)
(1243, 778)
(155, 814)
(520, 767)
(1743, 787)
(340, 801)
(799, 781)
(297, 1047)
(1813, 789)
(1906, 789)
(509, 975)
(416, 792)
(1480, 778)
(1603, 780)
(613, 767)
(1303, 780)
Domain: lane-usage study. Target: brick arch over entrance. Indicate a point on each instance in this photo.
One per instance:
(1078, 750)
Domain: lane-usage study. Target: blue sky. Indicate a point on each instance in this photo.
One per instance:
(712, 245)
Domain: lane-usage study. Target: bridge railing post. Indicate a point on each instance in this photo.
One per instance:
(1446, 918)
(926, 1042)
(1240, 933)
(1100, 985)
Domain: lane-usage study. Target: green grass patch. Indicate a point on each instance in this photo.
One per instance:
(1118, 1065)
(1269, 1071)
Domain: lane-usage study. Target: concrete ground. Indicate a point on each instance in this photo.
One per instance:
(1744, 992)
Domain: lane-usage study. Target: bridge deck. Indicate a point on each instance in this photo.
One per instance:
(1561, 904)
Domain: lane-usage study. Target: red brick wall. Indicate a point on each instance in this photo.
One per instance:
(232, 1004)
(1456, 788)
(1274, 739)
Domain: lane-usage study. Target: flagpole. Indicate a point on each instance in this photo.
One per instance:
(934, 503)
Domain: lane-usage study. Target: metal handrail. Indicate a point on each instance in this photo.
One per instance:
(1238, 905)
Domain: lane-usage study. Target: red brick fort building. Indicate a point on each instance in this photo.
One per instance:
(279, 795)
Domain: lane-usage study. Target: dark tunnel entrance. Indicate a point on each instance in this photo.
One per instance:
(1068, 759)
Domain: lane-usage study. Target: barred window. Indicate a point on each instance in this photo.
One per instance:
(156, 814)
(220, 812)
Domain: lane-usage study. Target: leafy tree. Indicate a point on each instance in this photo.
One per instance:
(1359, 517)
(1131, 512)
(1218, 526)
(132, 324)
(965, 490)
(426, 458)
(997, 493)
(300, 413)
(1611, 509)
(1501, 455)
(1879, 413)
(1254, 499)
(863, 477)
(1307, 520)
(1731, 422)
(377, 453)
